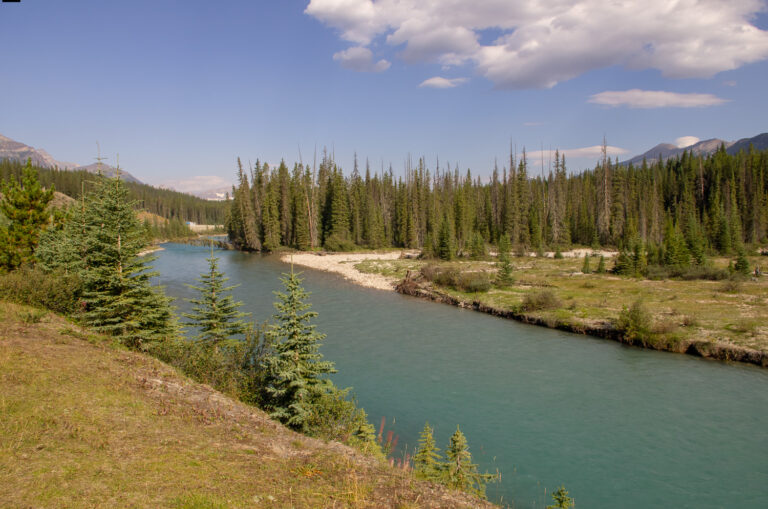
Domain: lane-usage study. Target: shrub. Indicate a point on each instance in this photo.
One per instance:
(451, 275)
(635, 322)
(55, 291)
(730, 286)
(540, 300)
(335, 243)
(473, 282)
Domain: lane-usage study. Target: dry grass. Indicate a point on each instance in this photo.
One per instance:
(86, 423)
(716, 311)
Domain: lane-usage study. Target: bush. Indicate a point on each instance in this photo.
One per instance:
(31, 286)
(452, 276)
(473, 282)
(334, 243)
(730, 286)
(634, 322)
(692, 273)
(540, 300)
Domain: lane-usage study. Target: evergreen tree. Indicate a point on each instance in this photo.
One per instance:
(741, 264)
(460, 472)
(24, 204)
(601, 265)
(561, 499)
(585, 267)
(116, 282)
(477, 251)
(294, 372)
(504, 264)
(427, 463)
(446, 247)
(215, 313)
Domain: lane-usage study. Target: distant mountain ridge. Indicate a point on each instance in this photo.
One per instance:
(704, 147)
(17, 151)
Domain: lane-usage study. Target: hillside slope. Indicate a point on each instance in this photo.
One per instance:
(87, 423)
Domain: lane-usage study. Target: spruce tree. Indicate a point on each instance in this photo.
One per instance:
(741, 264)
(601, 265)
(460, 472)
(427, 463)
(504, 264)
(446, 246)
(561, 499)
(24, 204)
(215, 313)
(478, 247)
(117, 293)
(294, 372)
(585, 267)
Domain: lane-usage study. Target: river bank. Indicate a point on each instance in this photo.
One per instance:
(723, 320)
(606, 330)
(344, 265)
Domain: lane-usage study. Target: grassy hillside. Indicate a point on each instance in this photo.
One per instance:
(87, 423)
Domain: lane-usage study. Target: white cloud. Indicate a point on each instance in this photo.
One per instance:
(544, 42)
(637, 98)
(595, 151)
(440, 82)
(197, 183)
(686, 141)
(359, 58)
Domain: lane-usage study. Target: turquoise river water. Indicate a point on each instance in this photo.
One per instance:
(620, 427)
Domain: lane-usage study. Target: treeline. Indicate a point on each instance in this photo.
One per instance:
(719, 200)
(171, 205)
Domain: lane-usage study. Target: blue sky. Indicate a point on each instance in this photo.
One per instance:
(180, 89)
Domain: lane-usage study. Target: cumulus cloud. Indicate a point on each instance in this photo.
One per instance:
(440, 82)
(544, 42)
(637, 98)
(686, 141)
(595, 151)
(359, 58)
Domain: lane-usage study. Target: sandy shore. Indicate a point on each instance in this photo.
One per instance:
(344, 264)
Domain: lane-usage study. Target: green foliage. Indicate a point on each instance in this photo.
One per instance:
(634, 322)
(585, 266)
(460, 472)
(601, 265)
(561, 499)
(215, 313)
(540, 301)
(118, 297)
(558, 254)
(58, 291)
(294, 369)
(504, 264)
(446, 244)
(24, 205)
(477, 250)
(427, 462)
(741, 264)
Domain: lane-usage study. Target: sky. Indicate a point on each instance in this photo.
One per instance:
(180, 89)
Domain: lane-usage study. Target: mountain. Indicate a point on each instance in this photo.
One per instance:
(11, 149)
(108, 171)
(218, 194)
(16, 151)
(760, 142)
(706, 147)
(668, 151)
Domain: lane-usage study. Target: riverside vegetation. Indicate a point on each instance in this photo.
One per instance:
(86, 265)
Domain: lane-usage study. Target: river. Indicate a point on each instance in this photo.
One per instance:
(620, 427)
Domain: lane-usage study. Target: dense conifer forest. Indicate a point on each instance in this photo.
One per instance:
(171, 205)
(715, 203)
